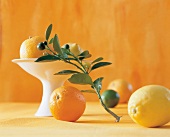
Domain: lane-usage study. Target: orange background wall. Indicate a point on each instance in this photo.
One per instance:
(133, 34)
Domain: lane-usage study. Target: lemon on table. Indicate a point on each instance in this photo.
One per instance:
(110, 98)
(149, 106)
(123, 87)
(29, 49)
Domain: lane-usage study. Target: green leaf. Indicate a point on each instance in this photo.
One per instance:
(98, 84)
(88, 91)
(81, 78)
(97, 60)
(56, 45)
(51, 41)
(66, 72)
(100, 64)
(48, 32)
(66, 51)
(85, 54)
(47, 58)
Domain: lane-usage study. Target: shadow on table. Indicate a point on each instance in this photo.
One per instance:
(93, 114)
(165, 127)
(96, 122)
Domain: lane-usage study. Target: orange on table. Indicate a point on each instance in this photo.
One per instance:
(123, 88)
(67, 103)
(29, 49)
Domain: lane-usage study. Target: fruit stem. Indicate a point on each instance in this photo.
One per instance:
(48, 48)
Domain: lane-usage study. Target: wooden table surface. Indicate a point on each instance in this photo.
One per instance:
(18, 120)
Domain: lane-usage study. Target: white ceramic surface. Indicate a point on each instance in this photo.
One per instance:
(44, 71)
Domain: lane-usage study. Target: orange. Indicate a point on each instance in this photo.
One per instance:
(123, 88)
(67, 103)
(29, 49)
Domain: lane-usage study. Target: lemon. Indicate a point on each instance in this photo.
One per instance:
(149, 106)
(29, 49)
(74, 48)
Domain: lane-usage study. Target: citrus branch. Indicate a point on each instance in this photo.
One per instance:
(77, 78)
(106, 108)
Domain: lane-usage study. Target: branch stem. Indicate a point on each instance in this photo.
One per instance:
(83, 68)
(75, 65)
(106, 108)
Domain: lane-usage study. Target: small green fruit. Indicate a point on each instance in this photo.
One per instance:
(110, 98)
(41, 46)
